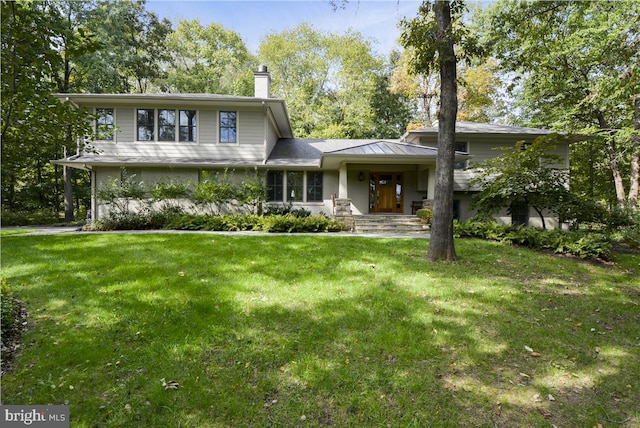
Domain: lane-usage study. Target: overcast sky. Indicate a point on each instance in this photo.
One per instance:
(377, 20)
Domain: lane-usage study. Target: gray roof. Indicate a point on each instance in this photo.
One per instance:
(463, 127)
(308, 152)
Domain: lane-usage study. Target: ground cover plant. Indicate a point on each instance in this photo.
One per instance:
(221, 330)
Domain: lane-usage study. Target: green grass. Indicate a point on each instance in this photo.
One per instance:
(7, 232)
(321, 331)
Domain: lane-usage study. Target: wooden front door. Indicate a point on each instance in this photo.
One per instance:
(386, 192)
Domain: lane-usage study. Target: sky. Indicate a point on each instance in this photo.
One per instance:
(253, 20)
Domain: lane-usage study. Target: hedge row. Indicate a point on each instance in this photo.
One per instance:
(288, 223)
(584, 245)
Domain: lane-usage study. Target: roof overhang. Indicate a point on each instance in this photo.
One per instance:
(90, 162)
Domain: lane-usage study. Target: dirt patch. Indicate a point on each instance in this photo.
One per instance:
(12, 336)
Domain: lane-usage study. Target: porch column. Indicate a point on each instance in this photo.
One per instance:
(342, 186)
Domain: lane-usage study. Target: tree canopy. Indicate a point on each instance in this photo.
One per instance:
(578, 68)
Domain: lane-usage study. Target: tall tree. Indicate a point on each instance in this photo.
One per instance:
(330, 81)
(73, 41)
(579, 64)
(133, 53)
(434, 34)
(32, 134)
(208, 59)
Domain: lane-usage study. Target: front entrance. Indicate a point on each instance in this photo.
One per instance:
(386, 192)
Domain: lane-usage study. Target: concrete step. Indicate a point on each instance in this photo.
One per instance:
(389, 223)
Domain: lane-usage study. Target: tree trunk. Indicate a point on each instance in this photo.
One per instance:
(612, 153)
(635, 159)
(441, 245)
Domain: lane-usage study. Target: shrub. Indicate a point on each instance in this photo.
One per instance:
(425, 214)
(581, 244)
(287, 209)
(29, 218)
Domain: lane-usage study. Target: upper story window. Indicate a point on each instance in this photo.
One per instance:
(169, 125)
(105, 123)
(461, 147)
(145, 125)
(166, 125)
(188, 125)
(228, 129)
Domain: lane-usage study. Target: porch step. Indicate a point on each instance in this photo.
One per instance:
(389, 223)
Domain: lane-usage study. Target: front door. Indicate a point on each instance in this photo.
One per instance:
(385, 192)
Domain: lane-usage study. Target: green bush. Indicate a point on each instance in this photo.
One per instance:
(425, 214)
(29, 218)
(581, 244)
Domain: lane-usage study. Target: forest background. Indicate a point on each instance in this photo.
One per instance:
(579, 75)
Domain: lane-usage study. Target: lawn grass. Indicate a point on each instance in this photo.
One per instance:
(7, 232)
(321, 331)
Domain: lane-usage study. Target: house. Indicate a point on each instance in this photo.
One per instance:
(480, 141)
(157, 136)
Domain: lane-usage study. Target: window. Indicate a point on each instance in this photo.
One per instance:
(519, 213)
(105, 123)
(228, 131)
(166, 125)
(295, 185)
(187, 120)
(314, 186)
(275, 186)
(456, 209)
(145, 125)
(461, 147)
(292, 189)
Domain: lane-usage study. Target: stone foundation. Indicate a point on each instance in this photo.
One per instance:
(342, 212)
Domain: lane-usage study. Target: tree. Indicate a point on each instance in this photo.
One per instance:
(133, 53)
(331, 82)
(532, 174)
(208, 59)
(32, 118)
(433, 34)
(579, 69)
(477, 94)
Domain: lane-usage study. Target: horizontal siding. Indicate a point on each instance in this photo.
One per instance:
(251, 128)
(125, 123)
(181, 150)
(208, 124)
(251, 138)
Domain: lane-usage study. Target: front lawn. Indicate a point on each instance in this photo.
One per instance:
(320, 331)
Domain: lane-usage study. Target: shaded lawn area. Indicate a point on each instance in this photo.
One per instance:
(321, 331)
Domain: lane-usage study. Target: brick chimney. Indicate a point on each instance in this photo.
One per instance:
(262, 88)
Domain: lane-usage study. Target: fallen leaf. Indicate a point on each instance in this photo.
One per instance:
(536, 354)
(551, 397)
(528, 349)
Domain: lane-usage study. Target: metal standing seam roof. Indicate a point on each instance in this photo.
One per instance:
(287, 152)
